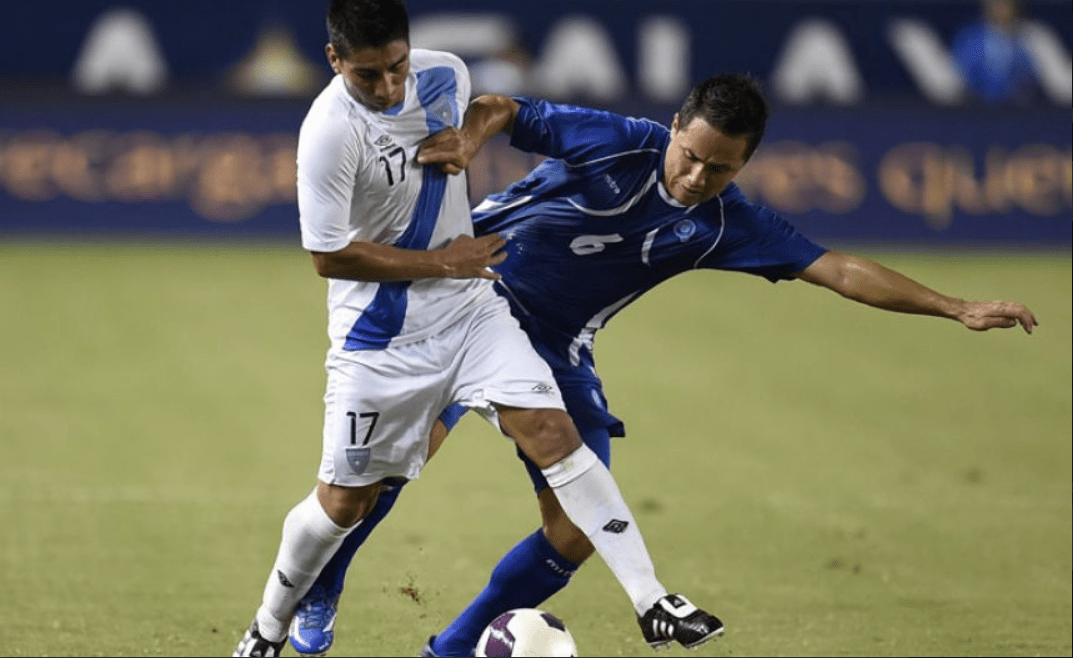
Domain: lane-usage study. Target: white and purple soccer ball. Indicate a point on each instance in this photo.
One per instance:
(526, 632)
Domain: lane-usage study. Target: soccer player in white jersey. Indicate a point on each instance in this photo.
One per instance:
(621, 205)
(414, 323)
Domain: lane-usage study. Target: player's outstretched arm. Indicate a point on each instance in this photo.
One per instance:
(868, 282)
(464, 257)
(453, 148)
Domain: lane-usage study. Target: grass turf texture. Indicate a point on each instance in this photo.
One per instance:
(828, 478)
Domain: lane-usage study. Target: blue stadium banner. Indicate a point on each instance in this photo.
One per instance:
(866, 173)
(141, 167)
(143, 118)
(913, 174)
(840, 51)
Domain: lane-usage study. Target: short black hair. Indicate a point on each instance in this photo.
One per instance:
(366, 24)
(732, 103)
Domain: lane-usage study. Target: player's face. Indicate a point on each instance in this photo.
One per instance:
(375, 77)
(701, 161)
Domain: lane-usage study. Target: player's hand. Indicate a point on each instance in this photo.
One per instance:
(981, 316)
(449, 149)
(472, 258)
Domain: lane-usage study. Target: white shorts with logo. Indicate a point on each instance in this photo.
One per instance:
(380, 404)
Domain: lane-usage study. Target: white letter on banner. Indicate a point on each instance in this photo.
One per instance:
(120, 52)
(466, 35)
(1053, 66)
(816, 64)
(927, 60)
(578, 58)
(663, 58)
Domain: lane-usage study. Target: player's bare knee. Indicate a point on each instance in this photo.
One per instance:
(544, 435)
(345, 506)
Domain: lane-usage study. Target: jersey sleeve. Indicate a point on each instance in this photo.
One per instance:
(464, 87)
(577, 135)
(328, 156)
(759, 241)
(424, 61)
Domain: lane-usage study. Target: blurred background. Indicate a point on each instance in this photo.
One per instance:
(938, 122)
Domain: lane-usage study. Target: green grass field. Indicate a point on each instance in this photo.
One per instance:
(828, 478)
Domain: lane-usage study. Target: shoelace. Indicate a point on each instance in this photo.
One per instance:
(318, 611)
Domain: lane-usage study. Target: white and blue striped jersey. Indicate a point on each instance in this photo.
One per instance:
(359, 180)
(592, 228)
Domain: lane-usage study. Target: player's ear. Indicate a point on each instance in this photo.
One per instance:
(674, 124)
(333, 57)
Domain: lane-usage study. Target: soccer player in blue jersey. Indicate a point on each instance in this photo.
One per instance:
(415, 326)
(621, 205)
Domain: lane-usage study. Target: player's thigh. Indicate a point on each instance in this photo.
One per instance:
(378, 412)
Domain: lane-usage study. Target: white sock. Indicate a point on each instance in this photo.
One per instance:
(589, 496)
(309, 540)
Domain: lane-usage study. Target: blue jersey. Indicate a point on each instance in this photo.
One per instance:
(592, 229)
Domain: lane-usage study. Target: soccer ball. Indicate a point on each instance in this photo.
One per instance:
(526, 632)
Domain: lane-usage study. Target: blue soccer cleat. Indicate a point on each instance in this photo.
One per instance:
(313, 627)
(426, 651)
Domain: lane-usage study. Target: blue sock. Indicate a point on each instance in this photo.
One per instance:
(333, 574)
(526, 577)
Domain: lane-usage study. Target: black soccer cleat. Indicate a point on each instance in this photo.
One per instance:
(253, 644)
(674, 618)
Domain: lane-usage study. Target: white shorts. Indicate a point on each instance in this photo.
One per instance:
(380, 404)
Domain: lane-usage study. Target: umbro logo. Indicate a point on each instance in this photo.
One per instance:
(383, 141)
(616, 527)
(543, 388)
(283, 579)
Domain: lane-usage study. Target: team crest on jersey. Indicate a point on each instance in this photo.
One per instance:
(441, 109)
(685, 229)
(358, 458)
(384, 141)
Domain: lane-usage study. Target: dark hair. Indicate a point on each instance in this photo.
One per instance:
(732, 103)
(366, 24)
